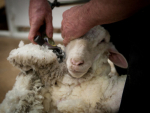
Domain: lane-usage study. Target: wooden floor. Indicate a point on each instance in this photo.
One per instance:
(8, 73)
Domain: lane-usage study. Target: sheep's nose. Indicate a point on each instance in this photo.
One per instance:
(77, 62)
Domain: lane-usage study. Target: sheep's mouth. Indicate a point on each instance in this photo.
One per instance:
(85, 75)
(76, 74)
(79, 74)
(74, 71)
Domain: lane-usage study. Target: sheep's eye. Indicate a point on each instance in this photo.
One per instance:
(101, 41)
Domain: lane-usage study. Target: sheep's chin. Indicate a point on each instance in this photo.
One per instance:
(76, 74)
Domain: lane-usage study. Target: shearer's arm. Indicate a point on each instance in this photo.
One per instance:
(80, 19)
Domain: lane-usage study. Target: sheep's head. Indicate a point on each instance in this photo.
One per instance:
(83, 52)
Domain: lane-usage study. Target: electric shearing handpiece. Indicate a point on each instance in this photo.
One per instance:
(45, 41)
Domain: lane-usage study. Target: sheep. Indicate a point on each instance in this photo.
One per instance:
(82, 83)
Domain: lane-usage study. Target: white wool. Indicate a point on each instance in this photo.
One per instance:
(21, 44)
(44, 85)
(38, 55)
(61, 46)
(20, 97)
(75, 106)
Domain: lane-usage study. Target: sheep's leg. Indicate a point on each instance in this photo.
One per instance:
(30, 103)
(25, 95)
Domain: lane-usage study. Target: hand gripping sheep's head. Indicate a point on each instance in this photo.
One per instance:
(82, 53)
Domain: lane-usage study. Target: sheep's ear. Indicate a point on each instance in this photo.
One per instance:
(117, 58)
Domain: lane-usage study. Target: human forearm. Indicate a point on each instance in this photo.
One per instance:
(80, 19)
(40, 14)
(109, 11)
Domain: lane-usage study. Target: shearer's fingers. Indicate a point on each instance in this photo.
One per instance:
(65, 42)
(49, 27)
(34, 30)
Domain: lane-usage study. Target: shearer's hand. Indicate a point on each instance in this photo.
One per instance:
(76, 22)
(40, 14)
